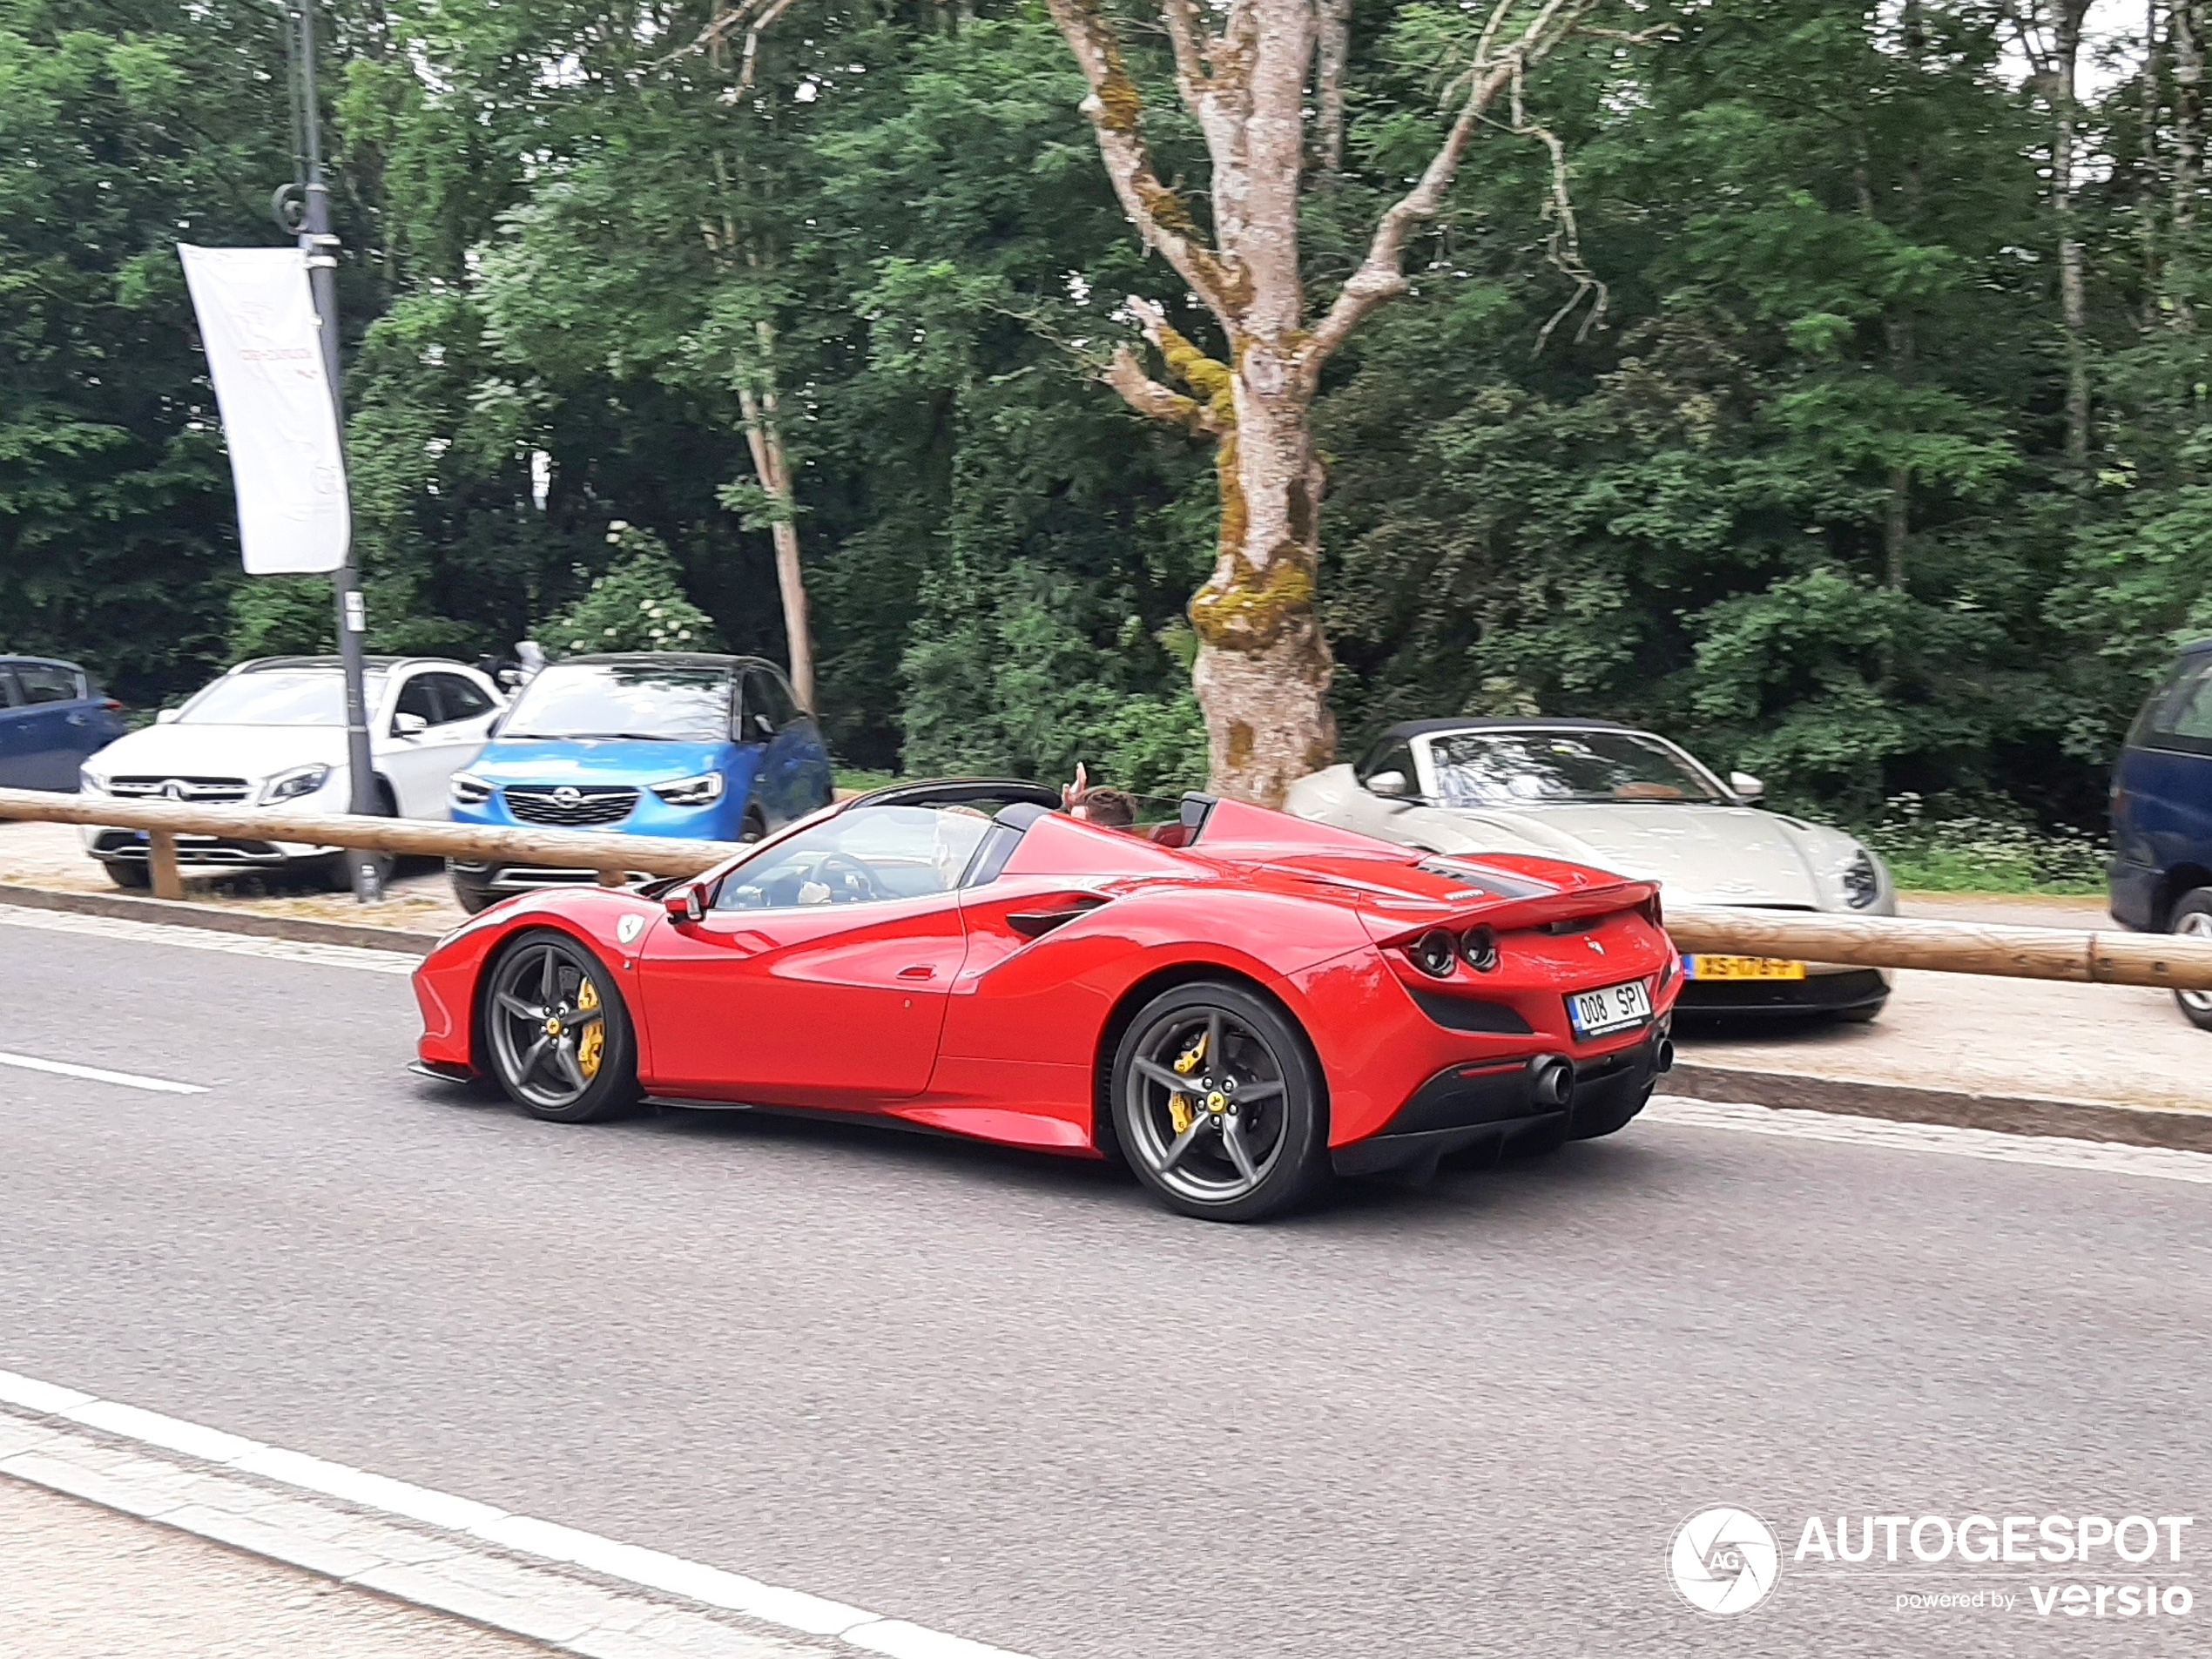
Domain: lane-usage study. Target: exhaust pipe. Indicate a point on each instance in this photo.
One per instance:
(1662, 1055)
(1551, 1080)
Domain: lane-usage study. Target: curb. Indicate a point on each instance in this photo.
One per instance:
(2179, 1131)
(169, 913)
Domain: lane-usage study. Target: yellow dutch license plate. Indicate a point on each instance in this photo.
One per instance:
(1740, 967)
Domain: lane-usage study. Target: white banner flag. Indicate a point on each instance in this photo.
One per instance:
(257, 320)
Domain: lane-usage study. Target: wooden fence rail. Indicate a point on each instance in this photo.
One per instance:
(2102, 957)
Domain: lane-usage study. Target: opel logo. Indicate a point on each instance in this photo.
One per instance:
(567, 795)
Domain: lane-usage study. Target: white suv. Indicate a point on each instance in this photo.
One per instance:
(272, 734)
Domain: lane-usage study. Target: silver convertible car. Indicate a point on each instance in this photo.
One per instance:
(1595, 792)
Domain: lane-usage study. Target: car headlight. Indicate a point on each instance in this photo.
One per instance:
(1862, 881)
(701, 790)
(468, 790)
(90, 782)
(290, 786)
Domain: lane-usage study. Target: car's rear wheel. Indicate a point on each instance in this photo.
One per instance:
(2192, 918)
(1217, 1103)
(556, 1032)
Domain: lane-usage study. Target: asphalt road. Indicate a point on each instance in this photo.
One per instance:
(1004, 1396)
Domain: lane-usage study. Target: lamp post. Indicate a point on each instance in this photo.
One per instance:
(320, 248)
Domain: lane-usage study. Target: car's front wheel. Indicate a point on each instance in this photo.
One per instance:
(2192, 918)
(1218, 1104)
(556, 1032)
(131, 876)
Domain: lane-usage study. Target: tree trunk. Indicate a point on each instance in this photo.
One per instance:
(1262, 672)
(2148, 191)
(1328, 83)
(2072, 296)
(771, 465)
(1264, 667)
(2188, 155)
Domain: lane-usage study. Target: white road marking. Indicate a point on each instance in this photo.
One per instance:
(429, 1547)
(154, 932)
(2053, 1151)
(94, 1074)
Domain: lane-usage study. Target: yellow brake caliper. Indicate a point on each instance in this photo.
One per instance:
(1180, 1112)
(593, 1039)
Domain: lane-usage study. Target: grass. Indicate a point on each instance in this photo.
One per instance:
(1985, 854)
(861, 782)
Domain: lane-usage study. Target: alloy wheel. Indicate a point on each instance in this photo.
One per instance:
(2196, 925)
(548, 1025)
(1205, 1105)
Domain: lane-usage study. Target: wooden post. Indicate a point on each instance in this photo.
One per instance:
(614, 878)
(161, 862)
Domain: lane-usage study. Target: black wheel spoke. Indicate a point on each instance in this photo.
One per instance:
(576, 1017)
(531, 1056)
(1173, 1155)
(1233, 1136)
(1161, 1075)
(548, 980)
(1252, 1094)
(520, 1009)
(564, 1057)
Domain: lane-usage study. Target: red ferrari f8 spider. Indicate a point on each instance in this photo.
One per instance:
(1237, 1004)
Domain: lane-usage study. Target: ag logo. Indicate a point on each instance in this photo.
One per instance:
(1724, 1560)
(629, 927)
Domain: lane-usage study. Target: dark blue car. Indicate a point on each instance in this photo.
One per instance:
(707, 748)
(52, 719)
(2161, 815)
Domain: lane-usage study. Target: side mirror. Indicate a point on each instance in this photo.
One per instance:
(408, 725)
(686, 903)
(167, 717)
(1391, 786)
(1748, 790)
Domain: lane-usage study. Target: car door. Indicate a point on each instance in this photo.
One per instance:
(14, 736)
(805, 985)
(54, 724)
(463, 725)
(2171, 775)
(411, 758)
(793, 776)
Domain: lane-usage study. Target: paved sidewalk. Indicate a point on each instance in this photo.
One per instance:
(78, 1582)
(2118, 1045)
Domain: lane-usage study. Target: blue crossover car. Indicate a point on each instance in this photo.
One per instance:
(2161, 815)
(706, 748)
(51, 717)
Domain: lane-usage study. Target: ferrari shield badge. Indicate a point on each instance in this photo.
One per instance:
(629, 927)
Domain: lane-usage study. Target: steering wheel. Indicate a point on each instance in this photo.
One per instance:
(849, 881)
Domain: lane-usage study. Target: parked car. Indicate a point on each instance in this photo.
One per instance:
(272, 734)
(650, 743)
(2161, 815)
(52, 717)
(1238, 1003)
(1595, 792)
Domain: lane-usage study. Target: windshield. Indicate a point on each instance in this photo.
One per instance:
(624, 700)
(279, 696)
(867, 853)
(1526, 768)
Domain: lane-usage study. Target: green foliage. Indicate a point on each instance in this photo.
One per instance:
(638, 605)
(282, 616)
(1799, 498)
(1986, 847)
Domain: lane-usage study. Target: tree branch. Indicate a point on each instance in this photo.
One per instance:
(1115, 108)
(1380, 277)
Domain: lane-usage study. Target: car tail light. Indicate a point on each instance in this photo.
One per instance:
(112, 706)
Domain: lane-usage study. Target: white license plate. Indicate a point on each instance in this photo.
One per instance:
(1613, 1009)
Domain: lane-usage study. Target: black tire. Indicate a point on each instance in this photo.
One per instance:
(2193, 916)
(755, 827)
(128, 875)
(1223, 1163)
(540, 999)
(474, 900)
